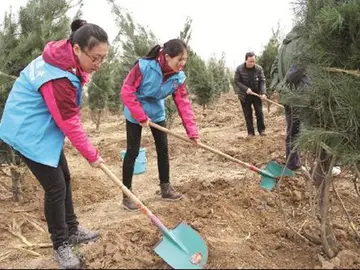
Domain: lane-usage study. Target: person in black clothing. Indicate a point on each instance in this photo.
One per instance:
(250, 79)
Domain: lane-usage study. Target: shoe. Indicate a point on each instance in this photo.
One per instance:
(65, 256)
(249, 136)
(294, 168)
(128, 204)
(83, 235)
(336, 170)
(169, 193)
(262, 133)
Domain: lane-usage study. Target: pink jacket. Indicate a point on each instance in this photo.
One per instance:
(60, 97)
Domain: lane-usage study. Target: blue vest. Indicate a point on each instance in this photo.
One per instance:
(153, 91)
(27, 124)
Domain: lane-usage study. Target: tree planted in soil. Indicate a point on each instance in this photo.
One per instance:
(329, 107)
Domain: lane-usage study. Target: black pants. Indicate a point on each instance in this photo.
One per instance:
(292, 130)
(59, 210)
(248, 113)
(133, 137)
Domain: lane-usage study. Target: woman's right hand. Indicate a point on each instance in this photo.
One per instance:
(96, 164)
(145, 123)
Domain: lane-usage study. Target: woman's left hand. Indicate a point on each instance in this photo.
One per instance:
(196, 141)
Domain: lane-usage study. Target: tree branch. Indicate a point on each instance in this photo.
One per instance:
(339, 70)
(346, 212)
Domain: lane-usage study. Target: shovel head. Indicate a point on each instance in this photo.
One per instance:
(192, 255)
(276, 170)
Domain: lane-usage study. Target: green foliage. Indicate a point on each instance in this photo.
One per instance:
(171, 111)
(185, 34)
(134, 39)
(329, 106)
(221, 78)
(268, 55)
(200, 80)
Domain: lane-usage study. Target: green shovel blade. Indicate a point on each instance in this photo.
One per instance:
(194, 253)
(275, 170)
(278, 170)
(268, 182)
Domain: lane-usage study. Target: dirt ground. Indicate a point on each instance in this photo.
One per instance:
(241, 223)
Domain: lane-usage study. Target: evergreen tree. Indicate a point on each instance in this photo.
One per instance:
(329, 106)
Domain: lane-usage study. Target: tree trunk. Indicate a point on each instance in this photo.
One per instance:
(324, 179)
(321, 168)
(16, 184)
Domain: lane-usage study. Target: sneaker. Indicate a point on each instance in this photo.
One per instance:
(336, 170)
(262, 133)
(128, 204)
(65, 256)
(83, 235)
(169, 193)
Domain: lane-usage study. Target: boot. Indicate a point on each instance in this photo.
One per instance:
(66, 257)
(169, 193)
(83, 236)
(128, 204)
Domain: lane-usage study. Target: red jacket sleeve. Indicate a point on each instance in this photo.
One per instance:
(60, 98)
(129, 87)
(185, 110)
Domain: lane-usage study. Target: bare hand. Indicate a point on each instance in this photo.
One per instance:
(263, 97)
(96, 164)
(248, 91)
(145, 123)
(196, 141)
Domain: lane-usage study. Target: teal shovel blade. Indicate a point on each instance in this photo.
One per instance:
(268, 182)
(274, 170)
(192, 255)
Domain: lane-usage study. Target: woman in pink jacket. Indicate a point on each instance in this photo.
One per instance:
(42, 108)
(153, 78)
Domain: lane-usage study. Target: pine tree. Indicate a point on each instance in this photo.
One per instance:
(269, 53)
(329, 106)
(218, 72)
(200, 80)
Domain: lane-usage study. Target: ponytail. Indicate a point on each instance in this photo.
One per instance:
(153, 53)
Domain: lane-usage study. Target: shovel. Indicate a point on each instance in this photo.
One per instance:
(269, 175)
(268, 100)
(181, 247)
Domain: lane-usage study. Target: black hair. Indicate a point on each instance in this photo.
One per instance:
(173, 47)
(87, 35)
(249, 54)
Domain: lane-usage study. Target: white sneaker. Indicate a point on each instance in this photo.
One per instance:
(336, 171)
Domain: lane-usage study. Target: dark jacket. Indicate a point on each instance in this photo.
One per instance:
(285, 72)
(252, 78)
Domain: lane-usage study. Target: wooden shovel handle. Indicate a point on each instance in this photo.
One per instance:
(269, 100)
(127, 192)
(186, 139)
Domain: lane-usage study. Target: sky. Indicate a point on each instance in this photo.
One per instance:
(231, 26)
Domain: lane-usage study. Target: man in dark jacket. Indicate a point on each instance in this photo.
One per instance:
(250, 79)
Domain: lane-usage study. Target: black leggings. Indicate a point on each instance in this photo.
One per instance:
(59, 210)
(133, 137)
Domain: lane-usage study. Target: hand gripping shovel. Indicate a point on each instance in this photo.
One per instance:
(181, 247)
(268, 100)
(269, 175)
